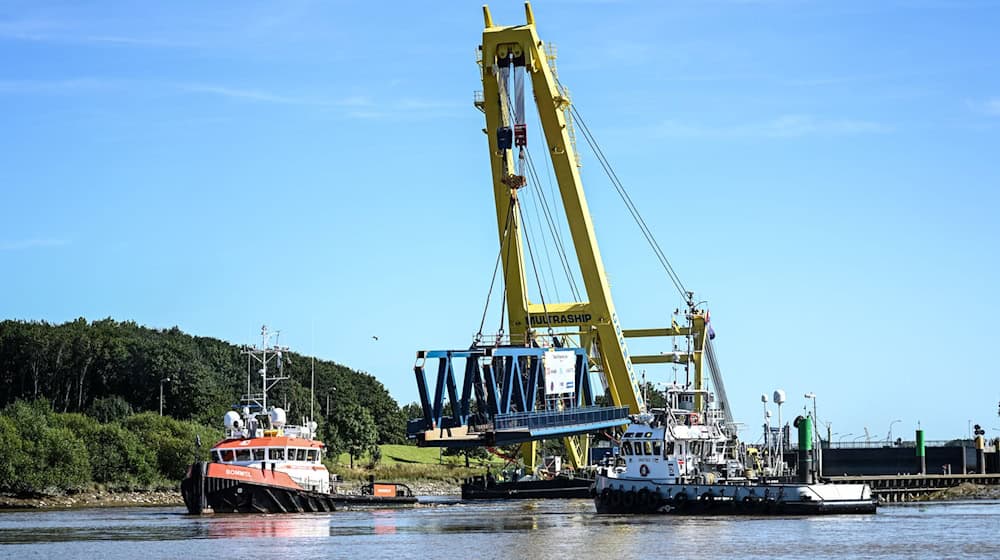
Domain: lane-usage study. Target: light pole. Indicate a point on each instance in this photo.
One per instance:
(779, 399)
(842, 436)
(328, 393)
(813, 397)
(888, 438)
(819, 448)
(162, 381)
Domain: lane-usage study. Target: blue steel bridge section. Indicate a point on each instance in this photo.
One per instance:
(502, 399)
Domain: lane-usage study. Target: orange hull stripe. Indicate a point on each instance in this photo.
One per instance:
(246, 474)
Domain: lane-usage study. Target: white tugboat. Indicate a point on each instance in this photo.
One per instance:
(680, 461)
(265, 465)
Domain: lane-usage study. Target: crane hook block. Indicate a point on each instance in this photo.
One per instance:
(520, 135)
(505, 138)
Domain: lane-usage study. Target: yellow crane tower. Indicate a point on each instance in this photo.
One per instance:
(507, 54)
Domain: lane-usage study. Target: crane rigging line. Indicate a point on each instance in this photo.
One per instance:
(489, 294)
(629, 204)
(554, 231)
(560, 245)
(541, 235)
(534, 229)
(627, 199)
(534, 267)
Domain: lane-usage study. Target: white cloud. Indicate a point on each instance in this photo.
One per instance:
(247, 94)
(272, 97)
(24, 244)
(51, 31)
(992, 107)
(74, 85)
(355, 107)
(784, 126)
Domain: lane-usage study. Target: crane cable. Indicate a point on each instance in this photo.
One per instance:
(534, 268)
(496, 267)
(554, 231)
(629, 204)
(560, 246)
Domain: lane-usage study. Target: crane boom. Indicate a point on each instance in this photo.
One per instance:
(520, 47)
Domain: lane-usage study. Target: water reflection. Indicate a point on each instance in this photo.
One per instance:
(499, 530)
(236, 526)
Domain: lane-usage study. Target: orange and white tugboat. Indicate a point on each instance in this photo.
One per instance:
(265, 465)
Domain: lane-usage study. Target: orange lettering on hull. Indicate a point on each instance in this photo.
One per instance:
(258, 476)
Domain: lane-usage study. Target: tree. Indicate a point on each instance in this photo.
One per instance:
(655, 398)
(12, 457)
(79, 365)
(356, 429)
(52, 458)
(109, 409)
(172, 441)
(118, 457)
(478, 453)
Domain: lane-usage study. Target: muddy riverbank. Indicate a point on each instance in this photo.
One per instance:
(103, 498)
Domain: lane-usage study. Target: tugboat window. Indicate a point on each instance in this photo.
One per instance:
(649, 448)
(300, 454)
(277, 453)
(258, 454)
(657, 448)
(627, 448)
(228, 456)
(312, 454)
(242, 455)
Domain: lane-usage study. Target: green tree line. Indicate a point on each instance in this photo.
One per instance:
(47, 452)
(113, 371)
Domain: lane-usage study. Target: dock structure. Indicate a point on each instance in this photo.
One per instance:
(508, 395)
(908, 488)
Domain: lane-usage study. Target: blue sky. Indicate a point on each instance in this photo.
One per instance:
(824, 174)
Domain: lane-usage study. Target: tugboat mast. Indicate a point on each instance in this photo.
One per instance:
(263, 355)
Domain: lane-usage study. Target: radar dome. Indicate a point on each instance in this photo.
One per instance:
(231, 420)
(277, 417)
(779, 396)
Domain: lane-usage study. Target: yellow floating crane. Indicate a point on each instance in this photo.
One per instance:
(507, 55)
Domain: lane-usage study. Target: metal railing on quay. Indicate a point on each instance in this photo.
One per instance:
(883, 444)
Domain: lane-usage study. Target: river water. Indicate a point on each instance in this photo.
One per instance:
(525, 529)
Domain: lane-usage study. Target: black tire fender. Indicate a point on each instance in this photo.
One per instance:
(643, 498)
(628, 500)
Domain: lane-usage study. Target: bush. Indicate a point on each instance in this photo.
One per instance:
(172, 441)
(43, 452)
(119, 458)
(11, 454)
(110, 409)
(50, 457)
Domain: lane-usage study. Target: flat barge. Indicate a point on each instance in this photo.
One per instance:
(486, 487)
